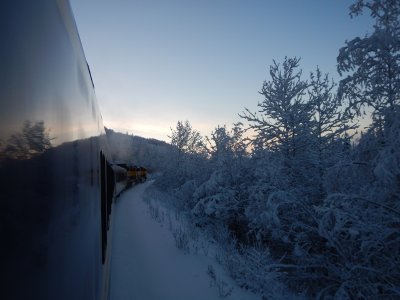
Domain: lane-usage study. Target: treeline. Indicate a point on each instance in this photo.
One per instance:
(299, 199)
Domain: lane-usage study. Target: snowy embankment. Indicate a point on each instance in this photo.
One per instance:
(145, 263)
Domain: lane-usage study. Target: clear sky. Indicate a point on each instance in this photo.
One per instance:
(156, 62)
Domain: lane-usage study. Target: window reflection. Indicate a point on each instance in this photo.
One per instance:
(49, 197)
(32, 140)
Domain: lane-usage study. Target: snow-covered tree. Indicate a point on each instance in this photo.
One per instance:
(219, 145)
(360, 218)
(222, 196)
(186, 166)
(372, 63)
(283, 125)
(186, 139)
(284, 113)
(330, 124)
(224, 145)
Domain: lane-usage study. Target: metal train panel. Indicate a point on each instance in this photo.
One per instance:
(55, 190)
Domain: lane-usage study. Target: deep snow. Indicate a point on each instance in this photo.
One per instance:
(146, 265)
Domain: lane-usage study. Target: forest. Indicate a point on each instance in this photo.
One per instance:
(300, 197)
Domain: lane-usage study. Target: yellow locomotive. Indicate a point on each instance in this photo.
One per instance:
(130, 174)
(136, 174)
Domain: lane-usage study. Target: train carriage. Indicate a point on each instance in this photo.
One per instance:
(57, 184)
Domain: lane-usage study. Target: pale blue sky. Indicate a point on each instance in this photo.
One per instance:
(156, 62)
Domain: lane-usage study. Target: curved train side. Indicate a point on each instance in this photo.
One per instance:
(58, 183)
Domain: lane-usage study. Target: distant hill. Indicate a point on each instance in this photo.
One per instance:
(137, 150)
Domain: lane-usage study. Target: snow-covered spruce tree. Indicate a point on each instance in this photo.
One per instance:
(360, 217)
(283, 112)
(283, 120)
(222, 198)
(226, 146)
(283, 133)
(313, 255)
(186, 139)
(372, 63)
(279, 210)
(187, 164)
(330, 126)
(360, 221)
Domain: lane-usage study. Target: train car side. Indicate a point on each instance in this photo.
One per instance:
(57, 185)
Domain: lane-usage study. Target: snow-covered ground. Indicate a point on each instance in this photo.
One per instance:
(146, 265)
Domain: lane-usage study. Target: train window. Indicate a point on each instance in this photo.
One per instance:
(107, 184)
(103, 203)
(110, 190)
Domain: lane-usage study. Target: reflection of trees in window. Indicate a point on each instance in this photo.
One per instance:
(33, 140)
